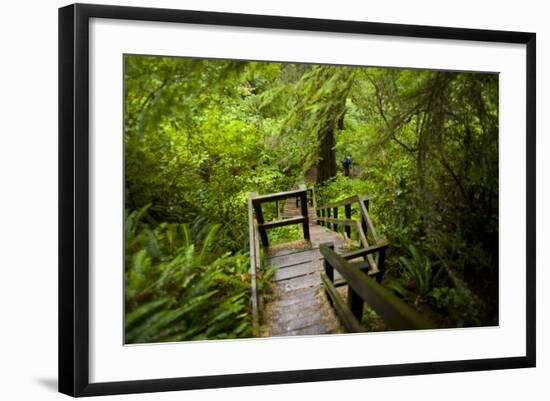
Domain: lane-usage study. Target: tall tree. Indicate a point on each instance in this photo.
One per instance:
(319, 111)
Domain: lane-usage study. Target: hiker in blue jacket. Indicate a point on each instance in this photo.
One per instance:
(346, 163)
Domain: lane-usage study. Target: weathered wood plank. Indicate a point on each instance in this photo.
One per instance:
(304, 297)
(292, 259)
(273, 252)
(319, 328)
(295, 271)
(298, 316)
(299, 282)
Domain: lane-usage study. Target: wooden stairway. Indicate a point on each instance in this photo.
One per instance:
(322, 264)
(300, 305)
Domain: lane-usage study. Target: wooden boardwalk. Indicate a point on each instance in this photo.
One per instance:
(300, 305)
(326, 263)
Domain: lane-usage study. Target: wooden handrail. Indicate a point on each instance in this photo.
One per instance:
(277, 196)
(256, 202)
(396, 313)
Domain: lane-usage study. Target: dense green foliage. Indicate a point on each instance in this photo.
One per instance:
(181, 286)
(201, 134)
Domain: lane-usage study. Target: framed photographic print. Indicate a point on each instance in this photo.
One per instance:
(251, 199)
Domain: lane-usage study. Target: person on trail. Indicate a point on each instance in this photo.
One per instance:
(346, 163)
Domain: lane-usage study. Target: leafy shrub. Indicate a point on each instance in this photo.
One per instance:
(460, 304)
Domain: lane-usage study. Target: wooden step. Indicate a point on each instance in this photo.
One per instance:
(293, 258)
(300, 306)
(294, 271)
(299, 282)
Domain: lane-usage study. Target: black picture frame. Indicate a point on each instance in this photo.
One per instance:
(74, 194)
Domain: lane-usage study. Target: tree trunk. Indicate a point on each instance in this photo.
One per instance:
(326, 167)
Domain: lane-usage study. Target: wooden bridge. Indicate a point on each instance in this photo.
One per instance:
(322, 282)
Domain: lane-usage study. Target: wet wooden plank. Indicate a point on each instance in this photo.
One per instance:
(319, 328)
(301, 269)
(280, 308)
(298, 246)
(292, 258)
(299, 296)
(299, 282)
(297, 313)
(304, 320)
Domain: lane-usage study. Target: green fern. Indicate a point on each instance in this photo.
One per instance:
(179, 286)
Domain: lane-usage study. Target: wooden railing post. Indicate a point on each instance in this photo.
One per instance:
(355, 303)
(335, 215)
(347, 212)
(260, 218)
(305, 215)
(329, 270)
(363, 223)
(381, 266)
(323, 216)
(328, 215)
